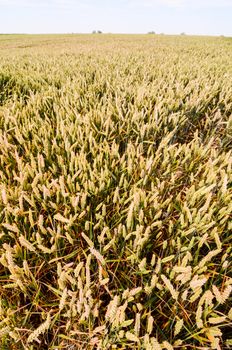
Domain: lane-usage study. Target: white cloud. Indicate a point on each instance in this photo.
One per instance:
(131, 3)
(207, 3)
(182, 3)
(41, 3)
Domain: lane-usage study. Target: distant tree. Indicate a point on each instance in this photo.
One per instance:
(183, 33)
(94, 32)
(99, 32)
(152, 32)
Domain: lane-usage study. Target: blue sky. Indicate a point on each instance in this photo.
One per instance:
(207, 17)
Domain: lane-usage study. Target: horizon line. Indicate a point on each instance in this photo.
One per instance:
(117, 33)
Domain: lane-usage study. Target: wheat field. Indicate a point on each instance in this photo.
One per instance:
(115, 192)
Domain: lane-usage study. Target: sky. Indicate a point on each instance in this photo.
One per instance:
(200, 17)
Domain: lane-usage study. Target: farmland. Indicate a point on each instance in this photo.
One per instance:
(115, 192)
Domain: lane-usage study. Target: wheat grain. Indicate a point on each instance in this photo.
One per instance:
(40, 330)
(112, 308)
(150, 322)
(25, 243)
(216, 320)
(63, 299)
(167, 345)
(130, 336)
(178, 327)
(170, 287)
